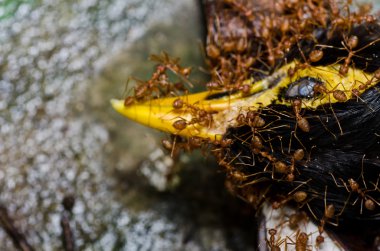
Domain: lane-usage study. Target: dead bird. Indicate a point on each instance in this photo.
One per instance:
(292, 110)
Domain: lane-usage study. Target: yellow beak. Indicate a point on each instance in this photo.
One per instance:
(160, 114)
(207, 114)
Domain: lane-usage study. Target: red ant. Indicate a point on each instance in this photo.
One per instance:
(302, 122)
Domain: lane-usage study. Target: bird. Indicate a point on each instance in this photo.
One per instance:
(292, 110)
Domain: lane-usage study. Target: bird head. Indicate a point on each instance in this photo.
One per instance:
(210, 114)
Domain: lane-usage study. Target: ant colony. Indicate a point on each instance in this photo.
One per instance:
(291, 114)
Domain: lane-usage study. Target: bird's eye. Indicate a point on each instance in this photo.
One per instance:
(302, 88)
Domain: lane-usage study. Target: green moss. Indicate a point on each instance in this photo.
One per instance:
(9, 7)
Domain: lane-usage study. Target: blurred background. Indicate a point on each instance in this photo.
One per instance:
(60, 64)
